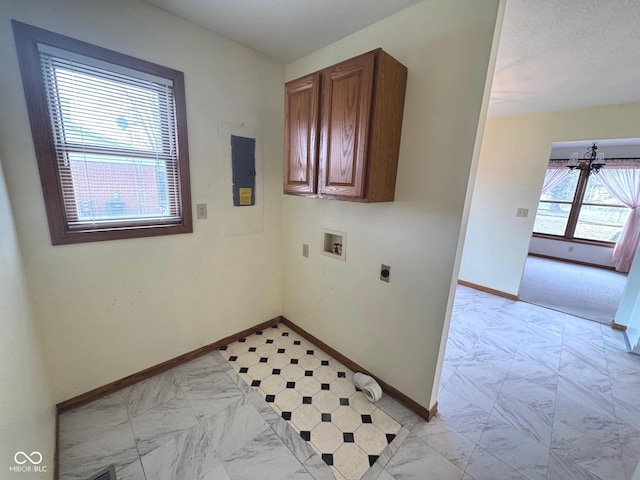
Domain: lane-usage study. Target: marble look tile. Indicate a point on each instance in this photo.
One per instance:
(208, 398)
(113, 444)
(590, 398)
(528, 408)
(88, 420)
(188, 455)
(265, 410)
(292, 439)
(524, 368)
(541, 351)
(468, 383)
(231, 428)
(499, 340)
(628, 412)
(630, 446)
(515, 449)
(462, 416)
(398, 412)
(588, 453)
(452, 445)
(159, 424)
(562, 469)
(613, 339)
(384, 475)
(318, 469)
(597, 425)
(415, 458)
(393, 447)
(485, 466)
(195, 371)
(150, 392)
(133, 471)
(218, 473)
(267, 458)
(373, 473)
(462, 337)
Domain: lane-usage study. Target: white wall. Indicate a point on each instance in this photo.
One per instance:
(628, 312)
(27, 413)
(110, 309)
(394, 329)
(513, 159)
(579, 252)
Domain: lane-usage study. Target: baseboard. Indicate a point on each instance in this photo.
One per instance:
(156, 369)
(575, 262)
(617, 326)
(412, 405)
(99, 392)
(488, 290)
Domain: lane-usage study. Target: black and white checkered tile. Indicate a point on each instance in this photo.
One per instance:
(316, 395)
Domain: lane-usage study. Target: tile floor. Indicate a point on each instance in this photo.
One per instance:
(316, 394)
(527, 394)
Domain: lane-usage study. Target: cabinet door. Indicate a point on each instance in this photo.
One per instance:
(346, 109)
(302, 98)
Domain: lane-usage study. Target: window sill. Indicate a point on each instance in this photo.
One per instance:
(596, 243)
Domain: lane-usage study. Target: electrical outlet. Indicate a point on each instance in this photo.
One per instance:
(385, 273)
(201, 211)
(305, 250)
(522, 212)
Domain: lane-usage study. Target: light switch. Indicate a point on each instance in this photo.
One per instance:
(522, 212)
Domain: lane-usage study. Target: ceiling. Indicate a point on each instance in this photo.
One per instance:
(565, 54)
(553, 55)
(284, 30)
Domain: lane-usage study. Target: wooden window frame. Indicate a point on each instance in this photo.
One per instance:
(576, 205)
(27, 39)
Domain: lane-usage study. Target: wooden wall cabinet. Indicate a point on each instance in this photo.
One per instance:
(342, 129)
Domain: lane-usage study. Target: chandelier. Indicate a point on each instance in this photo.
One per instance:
(591, 160)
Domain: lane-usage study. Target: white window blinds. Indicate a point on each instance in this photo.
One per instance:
(114, 131)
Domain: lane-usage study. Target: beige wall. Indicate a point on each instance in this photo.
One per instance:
(27, 415)
(513, 159)
(394, 329)
(110, 309)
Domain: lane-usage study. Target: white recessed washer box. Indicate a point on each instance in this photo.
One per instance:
(334, 244)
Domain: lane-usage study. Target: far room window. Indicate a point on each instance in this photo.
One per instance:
(580, 208)
(110, 138)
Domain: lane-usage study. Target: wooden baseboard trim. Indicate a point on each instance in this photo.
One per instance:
(412, 405)
(617, 326)
(159, 368)
(575, 262)
(488, 290)
(433, 411)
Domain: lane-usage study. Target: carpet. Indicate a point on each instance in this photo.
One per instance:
(586, 292)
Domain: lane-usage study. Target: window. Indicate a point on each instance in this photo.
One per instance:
(581, 208)
(110, 137)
